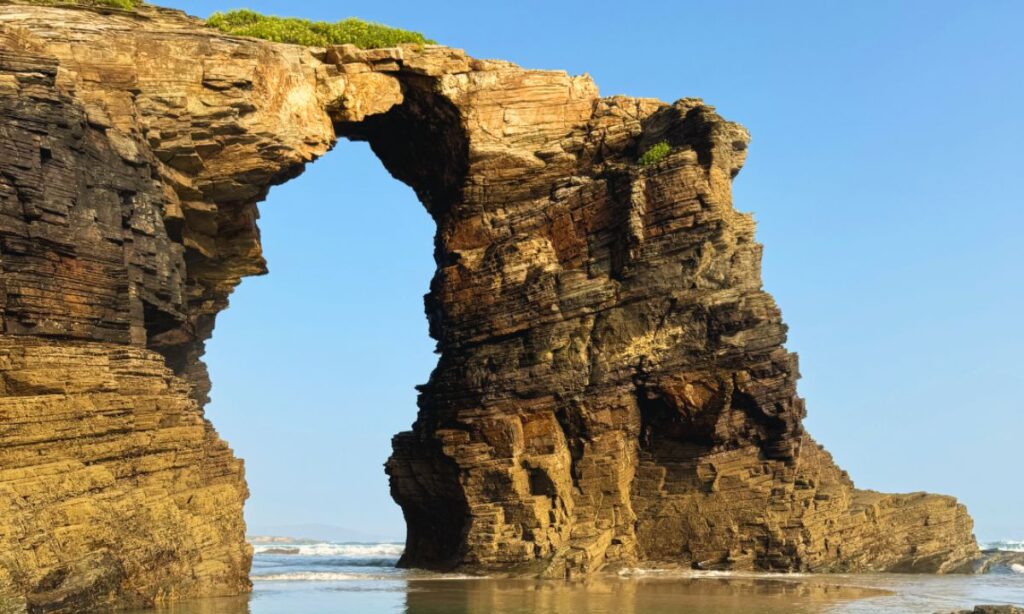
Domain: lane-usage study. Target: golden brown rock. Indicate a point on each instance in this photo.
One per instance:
(612, 386)
(113, 488)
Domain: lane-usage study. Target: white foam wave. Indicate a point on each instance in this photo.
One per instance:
(340, 576)
(309, 576)
(1011, 544)
(704, 573)
(354, 551)
(630, 572)
(1017, 568)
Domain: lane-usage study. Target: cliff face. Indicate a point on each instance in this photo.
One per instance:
(612, 386)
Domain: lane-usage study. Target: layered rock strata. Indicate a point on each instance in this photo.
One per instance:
(612, 385)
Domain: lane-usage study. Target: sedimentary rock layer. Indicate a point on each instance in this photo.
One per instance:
(612, 386)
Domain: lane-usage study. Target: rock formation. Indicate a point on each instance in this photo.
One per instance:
(992, 609)
(999, 561)
(612, 385)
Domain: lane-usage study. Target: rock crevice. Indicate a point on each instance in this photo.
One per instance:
(612, 386)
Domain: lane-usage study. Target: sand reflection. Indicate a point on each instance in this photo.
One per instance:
(650, 593)
(646, 595)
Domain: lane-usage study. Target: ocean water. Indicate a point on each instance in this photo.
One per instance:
(1015, 545)
(303, 577)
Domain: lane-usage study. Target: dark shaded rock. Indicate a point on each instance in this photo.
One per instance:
(999, 561)
(281, 550)
(992, 609)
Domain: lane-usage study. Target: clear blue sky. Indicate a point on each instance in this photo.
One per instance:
(885, 173)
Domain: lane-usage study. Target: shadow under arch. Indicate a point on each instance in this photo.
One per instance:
(421, 142)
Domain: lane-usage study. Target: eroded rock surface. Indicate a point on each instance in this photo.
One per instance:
(612, 385)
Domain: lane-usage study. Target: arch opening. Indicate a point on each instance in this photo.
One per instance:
(421, 143)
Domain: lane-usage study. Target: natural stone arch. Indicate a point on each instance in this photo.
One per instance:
(611, 388)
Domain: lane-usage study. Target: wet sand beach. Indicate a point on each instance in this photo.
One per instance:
(644, 593)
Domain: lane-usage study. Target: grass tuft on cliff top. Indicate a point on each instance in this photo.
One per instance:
(656, 153)
(363, 34)
(125, 5)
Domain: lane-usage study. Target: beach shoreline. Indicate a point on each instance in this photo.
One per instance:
(310, 576)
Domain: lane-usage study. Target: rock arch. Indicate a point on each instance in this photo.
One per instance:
(612, 385)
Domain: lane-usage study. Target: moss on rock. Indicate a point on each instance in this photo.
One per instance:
(364, 34)
(656, 153)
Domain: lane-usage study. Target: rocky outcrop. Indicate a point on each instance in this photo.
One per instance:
(992, 609)
(999, 561)
(612, 385)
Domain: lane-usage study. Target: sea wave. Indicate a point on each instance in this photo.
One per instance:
(1017, 568)
(1014, 545)
(635, 572)
(341, 576)
(310, 576)
(354, 551)
(308, 562)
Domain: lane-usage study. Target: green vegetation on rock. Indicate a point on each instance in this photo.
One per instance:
(364, 34)
(656, 153)
(126, 5)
